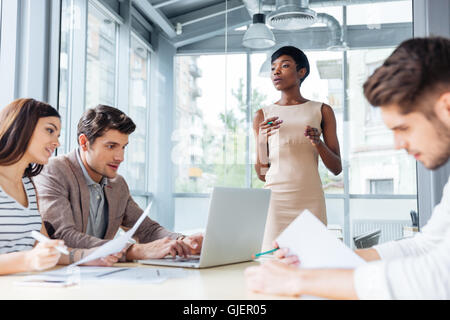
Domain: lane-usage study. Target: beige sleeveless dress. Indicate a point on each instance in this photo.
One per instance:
(293, 175)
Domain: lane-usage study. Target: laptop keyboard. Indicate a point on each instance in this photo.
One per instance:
(192, 258)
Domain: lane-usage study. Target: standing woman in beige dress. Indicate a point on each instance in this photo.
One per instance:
(288, 144)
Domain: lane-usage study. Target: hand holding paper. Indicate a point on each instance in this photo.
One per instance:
(315, 247)
(116, 245)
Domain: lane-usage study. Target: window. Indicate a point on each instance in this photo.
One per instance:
(0, 24)
(137, 152)
(90, 75)
(381, 186)
(211, 134)
(373, 15)
(100, 59)
(216, 96)
(381, 180)
(88, 53)
(373, 191)
(372, 152)
(65, 59)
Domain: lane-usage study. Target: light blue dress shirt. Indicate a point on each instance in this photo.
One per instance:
(98, 206)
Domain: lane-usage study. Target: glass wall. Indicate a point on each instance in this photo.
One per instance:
(373, 192)
(210, 120)
(0, 23)
(93, 36)
(138, 110)
(65, 59)
(100, 59)
(374, 162)
(217, 87)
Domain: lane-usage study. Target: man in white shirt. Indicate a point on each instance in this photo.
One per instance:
(412, 88)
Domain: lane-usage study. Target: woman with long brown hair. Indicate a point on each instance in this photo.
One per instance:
(29, 132)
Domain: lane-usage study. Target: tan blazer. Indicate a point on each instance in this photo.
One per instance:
(64, 206)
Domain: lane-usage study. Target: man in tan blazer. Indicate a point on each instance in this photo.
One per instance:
(84, 201)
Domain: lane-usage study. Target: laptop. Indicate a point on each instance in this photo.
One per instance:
(234, 230)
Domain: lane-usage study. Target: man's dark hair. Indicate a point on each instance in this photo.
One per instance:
(295, 53)
(417, 72)
(95, 122)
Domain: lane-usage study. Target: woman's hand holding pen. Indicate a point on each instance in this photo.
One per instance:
(274, 277)
(43, 256)
(281, 276)
(269, 125)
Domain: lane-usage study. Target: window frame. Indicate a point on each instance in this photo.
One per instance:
(134, 35)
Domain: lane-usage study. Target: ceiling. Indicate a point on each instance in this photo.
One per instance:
(186, 22)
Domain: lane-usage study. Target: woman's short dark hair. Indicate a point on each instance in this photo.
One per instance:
(17, 123)
(416, 72)
(295, 53)
(95, 122)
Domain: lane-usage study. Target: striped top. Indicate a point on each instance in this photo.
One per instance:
(17, 222)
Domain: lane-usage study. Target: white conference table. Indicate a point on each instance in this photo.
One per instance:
(217, 283)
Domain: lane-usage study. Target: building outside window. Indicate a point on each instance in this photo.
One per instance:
(210, 130)
(381, 186)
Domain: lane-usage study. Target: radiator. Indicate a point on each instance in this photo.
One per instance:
(390, 229)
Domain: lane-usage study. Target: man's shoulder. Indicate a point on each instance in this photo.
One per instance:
(119, 181)
(59, 162)
(58, 167)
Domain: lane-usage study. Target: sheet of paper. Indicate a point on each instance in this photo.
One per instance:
(116, 245)
(309, 239)
(76, 275)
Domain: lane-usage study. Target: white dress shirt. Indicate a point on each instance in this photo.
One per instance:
(413, 268)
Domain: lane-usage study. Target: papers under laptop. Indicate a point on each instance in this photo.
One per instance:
(234, 230)
(309, 239)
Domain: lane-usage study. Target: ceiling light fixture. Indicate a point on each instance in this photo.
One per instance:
(258, 35)
(292, 15)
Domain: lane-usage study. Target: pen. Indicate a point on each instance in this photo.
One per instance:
(262, 253)
(41, 238)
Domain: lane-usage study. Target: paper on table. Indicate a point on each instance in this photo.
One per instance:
(116, 245)
(309, 239)
(86, 274)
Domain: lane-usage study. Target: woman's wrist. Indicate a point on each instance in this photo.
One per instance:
(319, 144)
(28, 262)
